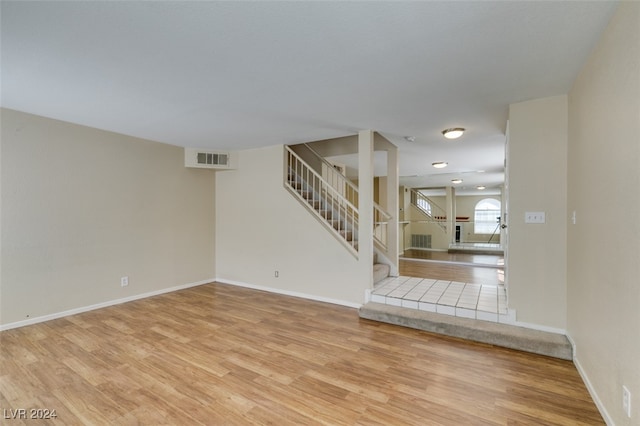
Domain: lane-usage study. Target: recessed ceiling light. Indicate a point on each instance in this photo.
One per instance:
(410, 138)
(480, 187)
(456, 181)
(453, 133)
(440, 164)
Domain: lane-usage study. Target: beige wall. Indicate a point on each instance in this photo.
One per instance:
(83, 207)
(439, 238)
(466, 206)
(537, 252)
(261, 228)
(422, 224)
(604, 191)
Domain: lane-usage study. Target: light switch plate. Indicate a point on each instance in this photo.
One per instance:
(534, 217)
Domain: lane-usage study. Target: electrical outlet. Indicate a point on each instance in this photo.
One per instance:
(276, 274)
(124, 281)
(626, 401)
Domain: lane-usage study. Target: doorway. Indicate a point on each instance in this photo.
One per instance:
(471, 252)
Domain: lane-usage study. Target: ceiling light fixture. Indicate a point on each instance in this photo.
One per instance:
(410, 138)
(453, 133)
(456, 181)
(481, 187)
(440, 164)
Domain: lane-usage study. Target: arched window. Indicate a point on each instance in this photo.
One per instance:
(487, 216)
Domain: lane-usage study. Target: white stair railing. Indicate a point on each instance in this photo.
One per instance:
(348, 189)
(315, 180)
(380, 226)
(330, 172)
(429, 208)
(326, 202)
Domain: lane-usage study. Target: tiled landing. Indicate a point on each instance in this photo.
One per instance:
(474, 301)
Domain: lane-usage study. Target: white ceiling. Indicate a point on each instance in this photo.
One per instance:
(235, 75)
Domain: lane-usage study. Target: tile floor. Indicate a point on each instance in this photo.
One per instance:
(476, 301)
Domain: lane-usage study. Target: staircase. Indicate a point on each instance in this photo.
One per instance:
(333, 204)
(430, 209)
(322, 208)
(380, 270)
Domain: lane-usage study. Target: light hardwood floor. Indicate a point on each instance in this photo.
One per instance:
(218, 354)
(459, 257)
(452, 272)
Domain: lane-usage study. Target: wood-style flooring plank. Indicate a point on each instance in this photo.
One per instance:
(219, 354)
(451, 272)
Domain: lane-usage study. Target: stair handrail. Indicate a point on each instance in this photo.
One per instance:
(377, 207)
(327, 194)
(380, 216)
(380, 222)
(342, 189)
(320, 178)
(346, 180)
(439, 219)
(330, 166)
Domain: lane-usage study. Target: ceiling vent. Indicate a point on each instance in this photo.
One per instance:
(205, 159)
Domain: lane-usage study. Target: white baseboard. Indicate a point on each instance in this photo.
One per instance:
(573, 345)
(540, 327)
(291, 293)
(594, 395)
(425, 249)
(74, 311)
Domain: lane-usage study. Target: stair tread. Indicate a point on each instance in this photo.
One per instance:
(348, 235)
(380, 272)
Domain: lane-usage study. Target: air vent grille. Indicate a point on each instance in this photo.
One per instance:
(420, 241)
(204, 159)
(213, 159)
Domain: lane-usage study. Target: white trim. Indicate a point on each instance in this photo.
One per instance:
(592, 391)
(75, 311)
(513, 321)
(425, 249)
(291, 293)
(573, 346)
(540, 327)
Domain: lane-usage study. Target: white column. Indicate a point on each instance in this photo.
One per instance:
(393, 207)
(451, 213)
(365, 204)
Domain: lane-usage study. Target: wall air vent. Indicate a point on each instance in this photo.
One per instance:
(420, 241)
(213, 159)
(205, 159)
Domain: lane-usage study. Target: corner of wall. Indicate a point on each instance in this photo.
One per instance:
(538, 135)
